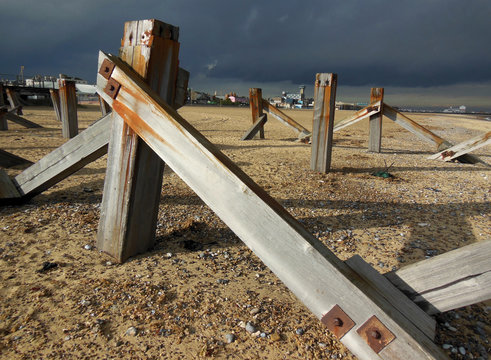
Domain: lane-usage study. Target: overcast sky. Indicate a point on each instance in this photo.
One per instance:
(422, 51)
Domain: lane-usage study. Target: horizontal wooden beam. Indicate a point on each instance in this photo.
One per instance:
(457, 278)
(87, 146)
(314, 274)
(463, 148)
(279, 115)
(254, 129)
(360, 115)
(9, 160)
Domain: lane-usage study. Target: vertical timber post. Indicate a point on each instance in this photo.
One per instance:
(323, 122)
(256, 105)
(375, 124)
(68, 109)
(134, 174)
(13, 100)
(105, 108)
(2, 99)
(55, 99)
(3, 119)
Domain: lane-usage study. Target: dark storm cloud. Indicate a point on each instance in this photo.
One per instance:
(389, 43)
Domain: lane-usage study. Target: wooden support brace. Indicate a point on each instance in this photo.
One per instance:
(134, 172)
(375, 123)
(2, 99)
(3, 119)
(68, 108)
(314, 274)
(70, 157)
(20, 120)
(105, 108)
(360, 115)
(8, 190)
(55, 100)
(323, 123)
(463, 148)
(14, 101)
(249, 134)
(10, 160)
(302, 133)
(256, 105)
(181, 88)
(445, 282)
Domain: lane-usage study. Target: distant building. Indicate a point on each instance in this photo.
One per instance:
(460, 110)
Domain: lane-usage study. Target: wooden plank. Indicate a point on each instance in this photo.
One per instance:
(323, 123)
(68, 108)
(3, 119)
(463, 148)
(55, 100)
(393, 295)
(9, 160)
(375, 122)
(13, 101)
(314, 274)
(105, 108)
(131, 197)
(2, 99)
(302, 133)
(249, 134)
(360, 115)
(256, 106)
(181, 88)
(67, 159)
(457, 278)
(21, 121)
(7, 187)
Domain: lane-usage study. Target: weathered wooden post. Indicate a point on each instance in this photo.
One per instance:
(13, 100)
(256, 105)
(323, 123)
(68, 108)
(3, 119)
(55, 99)
(2, 100)
(105, 108)
(134, 172)
(375, 124)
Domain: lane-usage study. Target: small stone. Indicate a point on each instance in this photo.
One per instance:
(168, 255)
(322, 345)
(275, 337)
(108, 263)
(462, 350)
(223, 281)
(229, 338)
(446, 346)
(250, 327)
(68, 337)
(254, 311)
(451, 328)
(88, 247)
(300, 331)
(423, 224)
(132, 331)
(263, 335)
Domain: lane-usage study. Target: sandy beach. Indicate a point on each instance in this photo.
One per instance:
(200, 286)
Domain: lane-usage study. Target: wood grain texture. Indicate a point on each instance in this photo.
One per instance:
(463, 148)
(314, 274)
(457, 278)
(253, 130)
(276, 113)
(55, 100)
(323, 123)
(375, 122)
(70, 157)
(256, 106)
(131, 197)
(104, 106)
(68, 109)
(9, 160)
(360, 115)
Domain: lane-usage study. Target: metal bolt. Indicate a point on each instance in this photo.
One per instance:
(106, 69)
(375, 334)
(338, 322)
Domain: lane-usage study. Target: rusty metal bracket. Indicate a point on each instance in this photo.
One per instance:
(107, 68)
(337, 321)
(112, 88)
(376, 335)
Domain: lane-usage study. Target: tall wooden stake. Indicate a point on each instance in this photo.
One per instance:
(3, 120)
(68, 108)
(2, 99)
(256, 105)
(375, 124)
(55, 99)
(134, 172)
(323, 123)
(14, 100)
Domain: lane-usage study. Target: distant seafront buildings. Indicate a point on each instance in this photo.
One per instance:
(460, 110)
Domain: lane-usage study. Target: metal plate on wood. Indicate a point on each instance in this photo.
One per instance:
(376, 335)
(107, 68)
(337, 321)
(112, 88)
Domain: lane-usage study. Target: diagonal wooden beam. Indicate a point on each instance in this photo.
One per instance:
(20, 120)
(463, 147)
(255, 128)
(366, 112)
(87, 146)
(9, 160)
(315, 275)
(8, 191)
(445, 282)
(302, 133)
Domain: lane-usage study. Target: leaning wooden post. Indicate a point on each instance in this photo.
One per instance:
(375, 124)
(256, 105)
(134, 172)
(323, 123)
(105, 108)
(14, 101)
(68, 108)
(55, 99)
